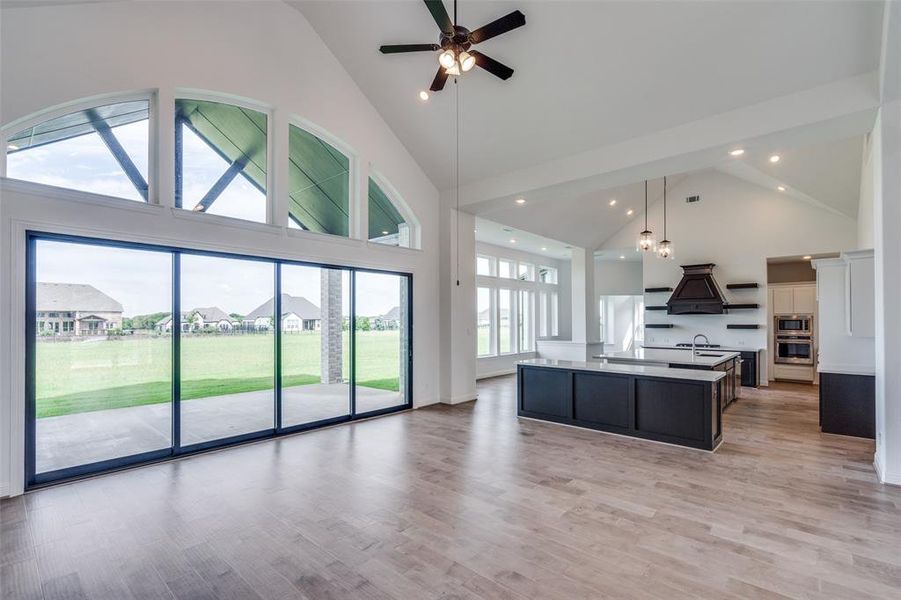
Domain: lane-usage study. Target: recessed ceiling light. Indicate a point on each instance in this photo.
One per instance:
(423, 95)
(630, 212)
(775, 158)
(544, 249)
(807, 257)
(512, 241)
(621, 257)
(781, 188)
(520, 200)
(12, 147)
(475, 230)
(737, 152)
(613, 202)
(384, 233)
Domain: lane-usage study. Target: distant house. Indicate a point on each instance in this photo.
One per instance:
(75, 309)
(389, 320)
(198, 319)
(298, 314)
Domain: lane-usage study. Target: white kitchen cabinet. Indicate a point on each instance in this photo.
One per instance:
(794, 300)
(804, 300)
(860, 301)
(783, 301)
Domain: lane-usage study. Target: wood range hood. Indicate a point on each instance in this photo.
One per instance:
(697, 293)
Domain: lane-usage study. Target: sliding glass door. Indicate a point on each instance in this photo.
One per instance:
(102, 377)
(137, 352)
(382, 343)
(315, 342)
(227, 347)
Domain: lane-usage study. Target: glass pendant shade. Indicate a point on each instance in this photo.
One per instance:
(467, 61)
(453, 69)
(646, 242)
(665, 249)
(447, 59)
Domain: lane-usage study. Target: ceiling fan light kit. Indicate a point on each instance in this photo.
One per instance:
(455, 43)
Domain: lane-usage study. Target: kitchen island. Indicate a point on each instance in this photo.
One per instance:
(702, 359)
(672, 405)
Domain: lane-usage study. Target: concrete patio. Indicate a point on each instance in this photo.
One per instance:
(83, 438)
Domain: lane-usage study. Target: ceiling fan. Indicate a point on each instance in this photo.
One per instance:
(455, 42)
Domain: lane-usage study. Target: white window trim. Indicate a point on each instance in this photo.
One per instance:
(399, 203)
(241, 102)
(357, 214)
(61, 110)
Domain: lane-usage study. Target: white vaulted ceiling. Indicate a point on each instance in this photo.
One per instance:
(591, 74)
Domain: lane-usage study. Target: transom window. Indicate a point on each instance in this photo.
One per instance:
(386, 224)
(220, 159)
(221, 166)
(319, 180)
(101, 149)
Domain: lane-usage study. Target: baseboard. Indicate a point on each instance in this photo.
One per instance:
(886, 478)
(460, 399)
(4, 490)
(496, 373)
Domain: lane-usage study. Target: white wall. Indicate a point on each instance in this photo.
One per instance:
(737, 225)
(839, 352)
(265, 51)
(617, 277)
(887, 209)
(871, 169)
(887, 243)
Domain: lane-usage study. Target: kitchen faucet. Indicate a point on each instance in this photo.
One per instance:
(694, 341)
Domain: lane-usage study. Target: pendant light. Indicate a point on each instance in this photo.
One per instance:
(665, 247)
(646, 241)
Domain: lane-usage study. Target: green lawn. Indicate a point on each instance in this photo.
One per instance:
(81, 376)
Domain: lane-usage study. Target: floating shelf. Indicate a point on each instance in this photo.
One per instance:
(742, 286)
(658, 325)
(741, 306)
(660, 289)
(734, 326)
(655, 307)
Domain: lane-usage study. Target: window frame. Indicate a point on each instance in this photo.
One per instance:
(354, 192)
(151, 96)
(240, 102)
(34, 480)
(396, 199)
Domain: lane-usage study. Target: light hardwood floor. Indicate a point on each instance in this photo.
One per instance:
(470, 502)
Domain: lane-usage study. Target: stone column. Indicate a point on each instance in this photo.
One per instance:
(331, 363)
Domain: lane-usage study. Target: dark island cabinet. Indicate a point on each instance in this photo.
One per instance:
(848, 404)
(686, 412)
(749, 366)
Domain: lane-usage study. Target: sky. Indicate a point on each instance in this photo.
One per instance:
(140, 279)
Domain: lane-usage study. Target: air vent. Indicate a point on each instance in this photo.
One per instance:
(692, 199)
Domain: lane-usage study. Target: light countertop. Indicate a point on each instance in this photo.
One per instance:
(720, 349)
(706, 358)
(647, 371)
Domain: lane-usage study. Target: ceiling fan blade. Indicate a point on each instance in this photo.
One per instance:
(498, 69)
(397, 48)
(495, 28)
(440, 80)
(439, 13)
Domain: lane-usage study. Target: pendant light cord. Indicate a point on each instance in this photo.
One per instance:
(645, 204)
(457, 164)
(664, 208)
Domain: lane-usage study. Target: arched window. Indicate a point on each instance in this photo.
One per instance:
(319, 183)
(99, 149)
(387, 223)
(220, 159)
